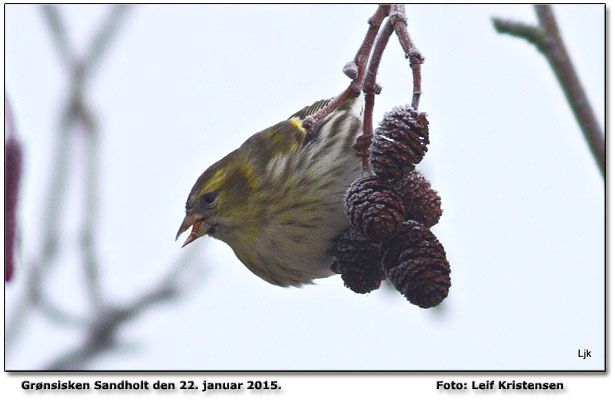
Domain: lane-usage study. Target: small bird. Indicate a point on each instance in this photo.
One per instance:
(278, 200)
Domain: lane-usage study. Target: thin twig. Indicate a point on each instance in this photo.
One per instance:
(56, 25)
(531, 33)
(105, 34)
(90, 214)
(375, 22)
(396, 23)
(85, 117)
(547, 39)
(364, 69)
(371, 89)
(360, 62)
(399, 21)
(102, 331)
(59, 315)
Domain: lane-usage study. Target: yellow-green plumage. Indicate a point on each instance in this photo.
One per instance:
(279, 197)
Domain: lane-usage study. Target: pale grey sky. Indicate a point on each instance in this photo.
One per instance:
(182, 86)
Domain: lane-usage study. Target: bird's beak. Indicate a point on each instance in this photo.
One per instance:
(199, 225)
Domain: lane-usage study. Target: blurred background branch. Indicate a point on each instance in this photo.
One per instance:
(12, 177)
(104, 318)
(547, 39)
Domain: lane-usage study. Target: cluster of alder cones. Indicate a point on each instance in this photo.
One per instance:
(391, 210)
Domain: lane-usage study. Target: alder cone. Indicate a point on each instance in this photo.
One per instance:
(389, 159)
(399, 142)
(415, 262)
(357, 259)
(374, 208)
(421, 202)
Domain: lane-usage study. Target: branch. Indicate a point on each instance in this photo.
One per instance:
(83, 114)
(371, 89)
(104, 36)
(59, 315)
(40, 265)
(547, 39)
(364, 68)
(58, 33)
(532, 34)
(104, 320)
(90, 204)
(73, 112)
(354, 69)
(13, 165)
(102, 331)
(397, 23)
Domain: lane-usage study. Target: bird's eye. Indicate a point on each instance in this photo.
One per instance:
(210, 197)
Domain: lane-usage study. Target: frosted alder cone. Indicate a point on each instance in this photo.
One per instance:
(374, 208)
(421, 202)
(399, 143)
(415, 262)
(357, 259)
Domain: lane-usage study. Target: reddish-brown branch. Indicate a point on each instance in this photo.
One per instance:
(396, 23)
(12, 178)
(349, 93)
(375, 22)
(354, 69)
(364, 69)
(371, 89)
(556, 53)
(361, 146)
(548, 41)
(370, 86)
(399, 21)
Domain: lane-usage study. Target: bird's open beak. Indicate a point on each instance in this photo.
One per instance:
(199, 225)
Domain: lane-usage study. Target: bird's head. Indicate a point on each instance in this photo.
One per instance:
(218, 204)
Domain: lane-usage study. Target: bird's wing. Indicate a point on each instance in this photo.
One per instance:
(317, 106)
(284, 138)
(309, 110)
(286, 143)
